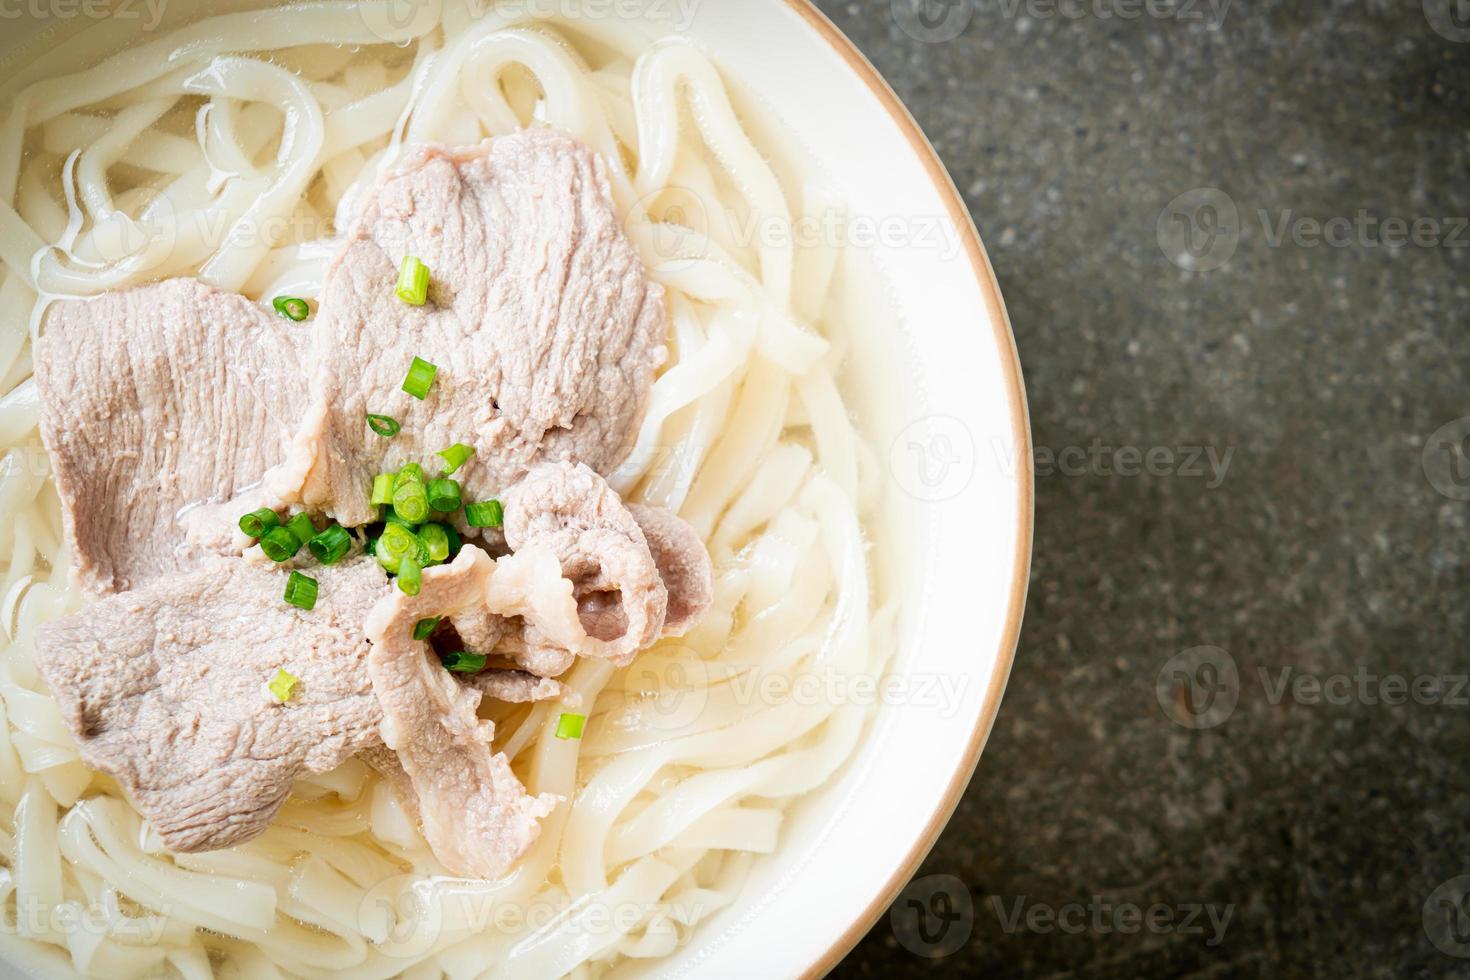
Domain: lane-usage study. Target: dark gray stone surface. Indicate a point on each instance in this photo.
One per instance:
(1323, 367)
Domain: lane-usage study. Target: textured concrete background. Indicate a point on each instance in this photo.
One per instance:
(1319, 358)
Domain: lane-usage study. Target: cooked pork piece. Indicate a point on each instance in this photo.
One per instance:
(541, 321)
(159, 405)
(475, 814)
(616, 574)
(516, 686)
(165, 687)
(683, 564)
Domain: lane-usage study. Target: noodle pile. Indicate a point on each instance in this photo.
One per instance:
(213, 151)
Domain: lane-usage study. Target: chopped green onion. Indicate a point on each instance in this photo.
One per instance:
(384, 425)
(301, 526)
(444, 495)
(281, 685)
(257, 522)
(424, 628)
(413, 281)
(420, 377)
(455, 456)
(464, 662)
(570, 725)
(410, 471)
(409, 576)
(332, 545)
(396, 543)
(301, 591)
(454, 541)
(291, 307)
(279, 544)
(382, 489)
(370, 546)
(487, 513)
(436, 540)
(411, 501)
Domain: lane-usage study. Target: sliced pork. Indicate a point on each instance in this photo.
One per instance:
(545, 328)
(165, 688)
(616, 573)
(683, 565)
(159, 405)
(474, 812)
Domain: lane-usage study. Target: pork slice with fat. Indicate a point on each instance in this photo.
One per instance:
(474, 812)
(625, 582)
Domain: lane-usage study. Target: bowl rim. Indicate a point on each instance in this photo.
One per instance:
(1005, 341)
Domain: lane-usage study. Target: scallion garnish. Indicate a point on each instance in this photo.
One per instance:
(486, 513)
(281, 685)
(291, 307)
(420, 377)
(301, 591)
(444, 495)
(332, 545)
(454, 542)
(279, 544)
(396, 543)
(257, 522)
(413, 281)
(464, 662)
(409, 576)
(570, 725)
(411, 501)
(454, 457)
(424, 628)
(383, 489)
(301, 526)
(384, 425)
(436, 540)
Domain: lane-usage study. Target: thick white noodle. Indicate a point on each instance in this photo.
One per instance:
(234, 149)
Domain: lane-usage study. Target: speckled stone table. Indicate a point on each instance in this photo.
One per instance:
(1235, 742)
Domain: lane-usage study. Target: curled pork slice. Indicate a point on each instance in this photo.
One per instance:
(159, 405)
(165, 688)
(541, 320)
(625, 581)
(475, 814)
(683, 564)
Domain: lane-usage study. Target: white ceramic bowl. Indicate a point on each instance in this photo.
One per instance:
(954, 437)
(956, 441)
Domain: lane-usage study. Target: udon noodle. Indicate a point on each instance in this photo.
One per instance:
(233, 149)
